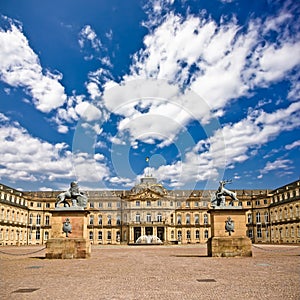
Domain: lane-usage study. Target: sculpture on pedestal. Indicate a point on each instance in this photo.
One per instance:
(218, 199)
(78, 198)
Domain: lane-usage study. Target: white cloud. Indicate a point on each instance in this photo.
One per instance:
(293, 145)
(277, 165)
(231, 145)
(20, 67)
(27, 158)
(87, 34)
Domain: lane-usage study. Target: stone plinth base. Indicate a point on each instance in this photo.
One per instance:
(229, 246)
(78, 221)
(64, 248)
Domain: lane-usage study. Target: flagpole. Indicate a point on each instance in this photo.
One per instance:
(148, 162)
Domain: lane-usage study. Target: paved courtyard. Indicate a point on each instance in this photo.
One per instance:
(151, 272)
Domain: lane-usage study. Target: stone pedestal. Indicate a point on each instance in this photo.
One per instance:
(224, 242)
(74, 244)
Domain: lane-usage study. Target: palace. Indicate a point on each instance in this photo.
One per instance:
(148, 209)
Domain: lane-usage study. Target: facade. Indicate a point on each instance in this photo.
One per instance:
(148, 209)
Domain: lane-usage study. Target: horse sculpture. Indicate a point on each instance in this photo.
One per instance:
(220, 195)
(78, 198)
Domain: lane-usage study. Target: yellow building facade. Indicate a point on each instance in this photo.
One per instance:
(148, 209)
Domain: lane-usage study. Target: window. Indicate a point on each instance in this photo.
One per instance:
(178, 204)
(137, 203)
(197, 234)
(171, 203)
(249, 217)
(206, 234)
(187, 204)
(265, 201)
(118, 204)
(91, 220)
(291, 212)
(158, 202)
(250, 233)
(205, 219)
(148, 203)
(197, 219)
(248, 203)
(258, 217)
(138, 218)
(99, 220)
(91, 235)
(148, 217)
(108, 220)
(109, 235)
(259, 233)
(179, 219)
(109, 205)
(196, 203)
(266, 217)
(46, 235)
(172, 234)
(100, 205)
(47, 205)
(47, 220)
(257, 202)
(38, 235)
(39, 204)
(99, 235)
(188, 219)
(92, 205)
(188, 234)
(292, 232)
(118, 220)
(30, 218)
(179, 235)
(159, 217)
(38, 220)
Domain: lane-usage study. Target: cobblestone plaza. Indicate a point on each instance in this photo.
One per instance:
(151, 272)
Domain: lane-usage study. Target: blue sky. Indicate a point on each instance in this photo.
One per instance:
(206, 89)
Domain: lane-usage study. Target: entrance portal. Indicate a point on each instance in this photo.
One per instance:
(160, 233)
(137, 233)
(149, 230)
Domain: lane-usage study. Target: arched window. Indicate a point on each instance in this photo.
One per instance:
(197, 234)
(91, 220)
(118, 220)
(99, 235)
(38, 220)
(109, 220)
(91, 234)
(188, 234)
(206, 234)
(205, 219)
(188, 219)
(99, 220)
(197, 219)
(179, 219)
(179, 235)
